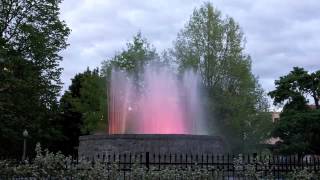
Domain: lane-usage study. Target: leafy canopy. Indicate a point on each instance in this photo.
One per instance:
(214, 47)
(296, 85)
(32, 35)
(298, 127)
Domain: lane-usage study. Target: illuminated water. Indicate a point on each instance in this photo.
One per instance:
(161, 103)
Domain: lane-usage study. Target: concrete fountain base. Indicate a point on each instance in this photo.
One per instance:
(94, 145)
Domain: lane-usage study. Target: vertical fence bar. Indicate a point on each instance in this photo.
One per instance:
(164, 163)
(294, 162)
(197, 159)
(218, 164)
(192, 161)
(315, 164)
(141, 161)
(130, 161)
(207, 159)
(278, 167)
(119, 161)
(159, 161)
(201, 160)
(147, 161)
(287, 168)
(233, 168)
(318, 163)
(228, 165)
(301, 160)
(154, 159)
(186, 161)
(175, 159)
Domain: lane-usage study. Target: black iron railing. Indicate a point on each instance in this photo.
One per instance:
(225, 166)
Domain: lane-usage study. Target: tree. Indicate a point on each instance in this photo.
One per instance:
(213, 46)
(298, 83)
(33, 28)
(312, 87)
(298, 125)
(132, 60)
(71, 119)
(32, 35)
(83, 106)
(137, 54)
(92, 102)
(299, 132)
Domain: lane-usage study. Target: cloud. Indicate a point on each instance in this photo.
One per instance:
(279, 34)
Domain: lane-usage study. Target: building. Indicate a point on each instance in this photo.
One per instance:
(275, 116)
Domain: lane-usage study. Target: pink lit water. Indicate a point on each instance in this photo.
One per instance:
(163, 104)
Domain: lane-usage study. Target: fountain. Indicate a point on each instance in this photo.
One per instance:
(154, 111)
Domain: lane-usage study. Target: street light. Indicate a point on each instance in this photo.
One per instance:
(25, 134)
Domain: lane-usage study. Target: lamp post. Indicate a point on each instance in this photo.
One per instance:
(25, 135)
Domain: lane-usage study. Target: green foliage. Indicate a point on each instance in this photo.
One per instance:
(250, 170)
(71, 121)
(92, 102)
(136, 56)
(298, 126)
(32, 36)
(133, 59)
(55, 165)
(87, 98)
(48, 165)
(33, 28)
(304, 174)
(295, 86)
(84, 106)
(299, 132)
(214, 47)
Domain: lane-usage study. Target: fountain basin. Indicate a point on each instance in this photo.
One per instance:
(94, 145)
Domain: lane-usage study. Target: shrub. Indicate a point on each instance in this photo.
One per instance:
(47, 165)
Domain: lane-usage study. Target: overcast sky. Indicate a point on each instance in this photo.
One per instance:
(280, 34)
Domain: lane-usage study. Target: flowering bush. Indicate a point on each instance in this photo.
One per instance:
(304, 174)
(47, 165)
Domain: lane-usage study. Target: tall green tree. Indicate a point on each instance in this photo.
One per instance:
(92, 102)
(138, 53)
(132, 59)
(32, 35)
(214, 47)
(70, 117)
(298, 125)
(84, 105)
(298, 83)
(298, 131)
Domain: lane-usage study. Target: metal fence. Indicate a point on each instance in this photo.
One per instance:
(222, 166)
(203, 160)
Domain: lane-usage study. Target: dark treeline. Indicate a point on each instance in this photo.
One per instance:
(299, 122)
(32, 35)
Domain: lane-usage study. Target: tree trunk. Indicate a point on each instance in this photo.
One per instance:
(316, 99)
(316, 102)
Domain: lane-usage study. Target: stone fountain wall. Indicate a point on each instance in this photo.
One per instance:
(98, 145)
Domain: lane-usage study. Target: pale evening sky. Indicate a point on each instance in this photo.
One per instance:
(279, 34)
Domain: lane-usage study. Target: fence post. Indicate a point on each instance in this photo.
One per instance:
(255, 161)
(147, 160)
